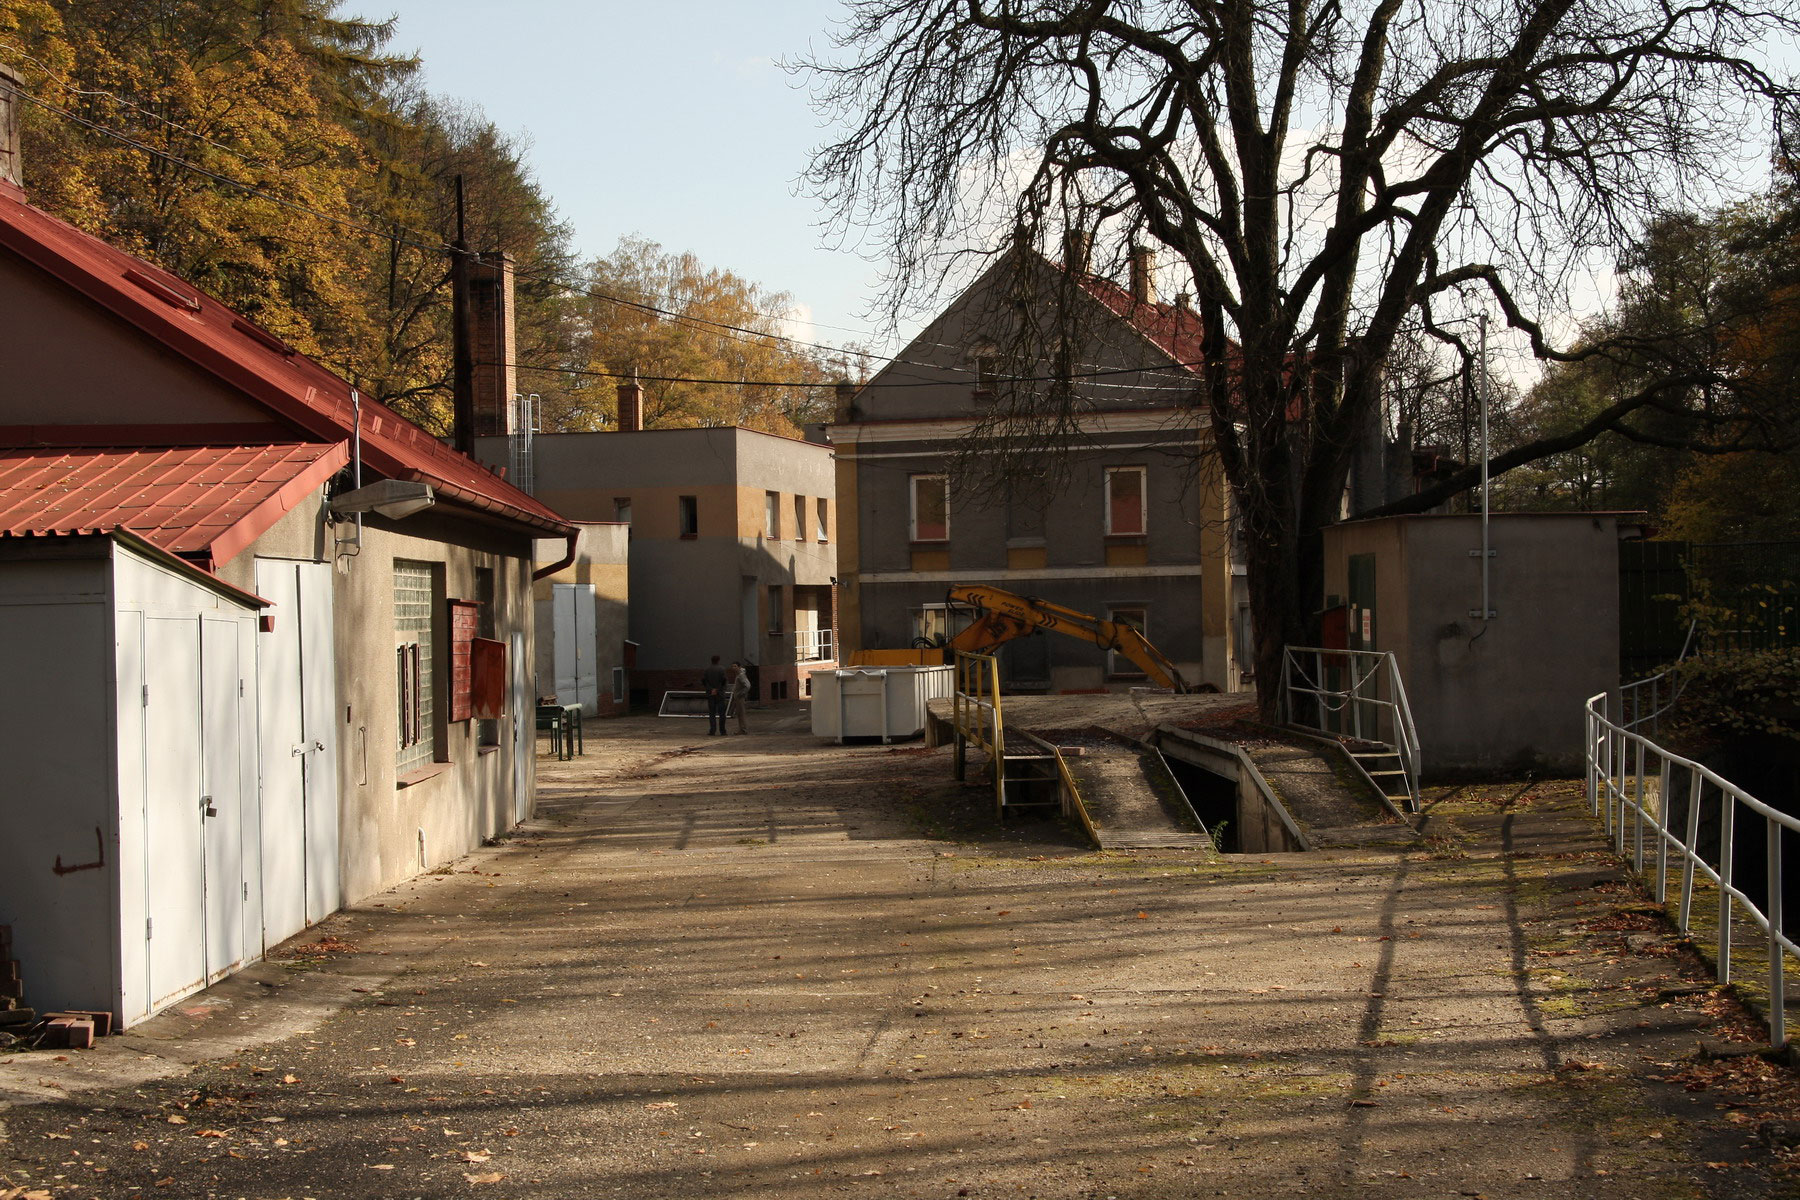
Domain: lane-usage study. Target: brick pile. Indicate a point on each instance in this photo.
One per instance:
(58, 1030)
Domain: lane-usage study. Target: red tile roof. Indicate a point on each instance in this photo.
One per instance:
(1175, 330)
(197, 501)
(296, 389)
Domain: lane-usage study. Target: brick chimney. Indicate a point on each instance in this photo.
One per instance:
(493, 344)
(11, 169)
(845, 413)
(1078, 250)
(1143, 278)
(631, 405)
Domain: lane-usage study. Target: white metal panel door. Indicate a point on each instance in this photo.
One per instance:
(174, 836)
(524, 723)
(318, 677)
(281, 725)
(577, 672)
(221, 800)
(296, 687)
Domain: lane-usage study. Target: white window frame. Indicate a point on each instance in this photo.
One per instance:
(799, 517)
(824, 509)
(1143, 476)
(772, 515)
(912, 503)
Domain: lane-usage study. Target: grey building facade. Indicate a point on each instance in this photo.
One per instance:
(1063, 460)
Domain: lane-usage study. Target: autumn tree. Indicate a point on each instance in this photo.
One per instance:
(1327, 175)
(707, 341)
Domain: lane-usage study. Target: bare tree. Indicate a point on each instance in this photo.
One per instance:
(1330, 173)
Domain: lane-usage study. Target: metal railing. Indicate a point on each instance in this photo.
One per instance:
(1662, 797)
(1643, 701)
(1354, 693)
(813, 645)
(976, 717)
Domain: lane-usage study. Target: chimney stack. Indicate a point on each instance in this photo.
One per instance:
(492, 344)
(846, 402)
(11, 169)
(1078, 248)
(1143, 281)
(631, 405)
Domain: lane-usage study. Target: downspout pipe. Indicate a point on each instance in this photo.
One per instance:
(574, 539)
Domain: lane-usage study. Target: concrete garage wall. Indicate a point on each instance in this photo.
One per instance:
(1503, 694)
(56, 625)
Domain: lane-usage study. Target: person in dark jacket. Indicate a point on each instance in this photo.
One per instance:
(712, 682)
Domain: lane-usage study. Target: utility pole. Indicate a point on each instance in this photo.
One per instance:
(462, 370)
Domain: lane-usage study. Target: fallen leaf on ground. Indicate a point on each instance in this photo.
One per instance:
(484, 1177)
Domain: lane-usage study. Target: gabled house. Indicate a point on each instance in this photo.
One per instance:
(1135, 525)
(269, 644)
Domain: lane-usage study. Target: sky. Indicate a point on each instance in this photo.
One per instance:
(672, 121)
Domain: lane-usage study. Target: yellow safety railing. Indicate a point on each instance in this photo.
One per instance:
(976, 716)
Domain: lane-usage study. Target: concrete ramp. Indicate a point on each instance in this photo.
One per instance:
(1132, 802)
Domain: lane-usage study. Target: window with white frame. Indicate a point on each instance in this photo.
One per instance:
(823, 513)
(930, 508)
(1124, 501)
(771, 515)
(415, 603)
(799, 518)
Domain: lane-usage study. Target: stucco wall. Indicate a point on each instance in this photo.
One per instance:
(1506, 693)
(62, 381)
(688, 593)
(472, 797)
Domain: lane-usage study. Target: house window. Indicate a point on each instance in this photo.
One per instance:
(1138, 618)
(487, 730)
(771, 515)
(688, 511)
(986, 358)
(824, 533)
(1125, 501)
(930, 508)
(799, 518)
(618, 691)
(415, 601)
(622, 509)
(775, 609)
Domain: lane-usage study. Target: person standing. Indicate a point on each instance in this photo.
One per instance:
(740, 694)
(712, 682)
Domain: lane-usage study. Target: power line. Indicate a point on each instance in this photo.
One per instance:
(442, 247)
(812, 383)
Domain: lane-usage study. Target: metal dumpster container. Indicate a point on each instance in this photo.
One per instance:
(877, 702)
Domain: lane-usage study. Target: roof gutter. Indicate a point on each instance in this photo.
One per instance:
(574, 538)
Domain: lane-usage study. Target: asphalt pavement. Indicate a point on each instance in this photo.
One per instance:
(770, 966)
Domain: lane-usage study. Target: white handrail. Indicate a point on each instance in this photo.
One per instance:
(1641, 792)
(1373, 688)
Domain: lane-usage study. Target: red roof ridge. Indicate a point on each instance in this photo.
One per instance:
(298, 389)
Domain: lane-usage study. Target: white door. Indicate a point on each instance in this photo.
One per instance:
(221, 799)
(577, 673)
(175, 841)
(296, 693)
(523, 706)
(319, 705)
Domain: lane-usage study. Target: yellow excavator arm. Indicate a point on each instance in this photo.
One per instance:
(1001, 616)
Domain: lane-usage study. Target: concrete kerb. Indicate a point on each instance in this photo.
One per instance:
(1248, 773)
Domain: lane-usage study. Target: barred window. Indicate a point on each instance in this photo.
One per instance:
(414, 604)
